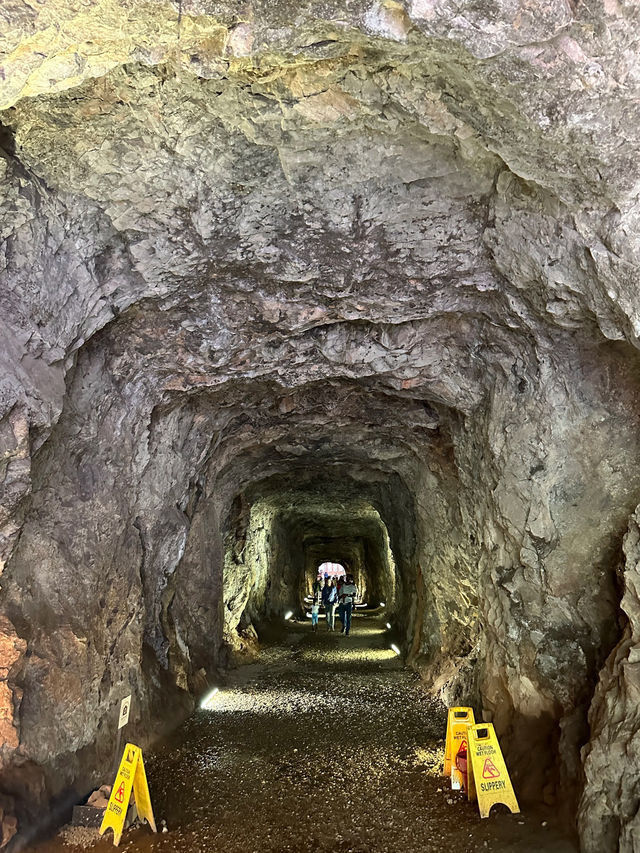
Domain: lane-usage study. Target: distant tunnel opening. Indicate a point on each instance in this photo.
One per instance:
(288, 538)
(331, 570)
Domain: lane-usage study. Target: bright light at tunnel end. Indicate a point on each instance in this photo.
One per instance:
(382, 604)
(388, 624)
(206, 702)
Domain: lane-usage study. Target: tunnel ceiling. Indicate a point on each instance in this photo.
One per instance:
(253, 251)
(385, 197)
(375, 207)
(385, 192)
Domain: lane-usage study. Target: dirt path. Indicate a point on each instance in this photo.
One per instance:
(329, 745)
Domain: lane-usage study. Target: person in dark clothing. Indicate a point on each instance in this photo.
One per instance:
(329, 600)
(339, 585)
(348, 594)
(316, 601)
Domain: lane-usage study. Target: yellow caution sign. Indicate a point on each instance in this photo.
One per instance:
(488, 778)
(458, 721)
(130, 777)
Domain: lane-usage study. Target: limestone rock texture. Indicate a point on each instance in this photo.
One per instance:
(609, 808)
(283, 282)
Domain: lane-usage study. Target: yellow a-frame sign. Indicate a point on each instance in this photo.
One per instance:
(458, 719)
(487, 775)
(131, 776)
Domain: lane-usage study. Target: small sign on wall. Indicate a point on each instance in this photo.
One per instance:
(125, 708)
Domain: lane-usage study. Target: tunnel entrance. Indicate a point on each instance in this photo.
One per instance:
(320, 282)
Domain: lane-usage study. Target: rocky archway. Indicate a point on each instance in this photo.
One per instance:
(248, 260)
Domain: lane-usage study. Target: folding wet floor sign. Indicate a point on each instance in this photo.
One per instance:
(457, 722)
(488, 779)
(131, 776)
(459, 765)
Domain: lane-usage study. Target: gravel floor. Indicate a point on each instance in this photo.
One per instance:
(327, 745)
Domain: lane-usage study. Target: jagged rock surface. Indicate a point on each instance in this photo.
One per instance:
(609, 807)
(260, 257)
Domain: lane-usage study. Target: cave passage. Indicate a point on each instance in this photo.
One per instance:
(285, 284)
(289, 536)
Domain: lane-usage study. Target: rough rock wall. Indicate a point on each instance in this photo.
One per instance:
(521, 528)
(444, 627)
(561, 480)
(248, 558)
(94, 557)
(608, 815)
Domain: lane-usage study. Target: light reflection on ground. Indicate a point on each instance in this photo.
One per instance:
(344, 655)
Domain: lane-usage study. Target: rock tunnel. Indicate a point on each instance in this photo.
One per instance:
(292, 282)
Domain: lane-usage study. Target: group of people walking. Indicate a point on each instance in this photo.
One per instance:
(334, 595)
